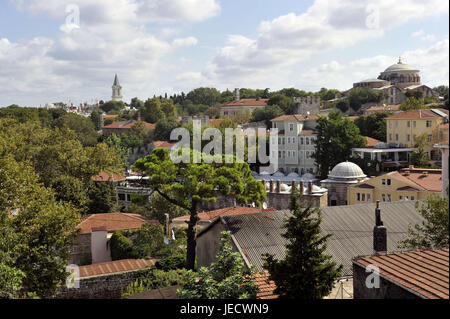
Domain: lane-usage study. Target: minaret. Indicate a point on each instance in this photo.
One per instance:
(116, 90)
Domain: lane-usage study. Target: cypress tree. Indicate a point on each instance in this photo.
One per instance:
(306, 272)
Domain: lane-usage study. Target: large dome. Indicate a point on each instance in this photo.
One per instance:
(347, 170)
(400, 67)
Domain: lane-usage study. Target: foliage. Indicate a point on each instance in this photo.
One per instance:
(153, 279)
(102, 198)
(171, 262)
(411, 103)
(72, 190)
(120, 144)
(360, 96)
(306, 272)
(434, 229)
(343, 105)
(95, 118)
(336, 136)
(149, 241)
(419, 157)
(282, 101)
(112, 106)
(152, 112)
(328, 94)
(35, 242)
(186, 185)
(227, 278)
(164, 127)
(82, 126)
(121, 246)
(136, 103)
(205, 96)
(373, 125)
(266, 114)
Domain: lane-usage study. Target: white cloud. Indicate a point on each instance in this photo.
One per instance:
(184, 42)
(423, 36)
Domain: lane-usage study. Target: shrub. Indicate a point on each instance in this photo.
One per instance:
(171, 262)
(121, 247)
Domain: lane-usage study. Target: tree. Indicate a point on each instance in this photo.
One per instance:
(306, 272)
(149, 241)
(373, 125)
(434, 229)
(336, 136)
(411, 103)
(102, 198)
(205, 96)
(343, 105)
(82, 126)
(266, 114)
(168, 108)
(419, 158)
(164, 127)
(136, 103)
(360, 96)
(328, 94)
(36, 233)
(284, 102)
(95, 118)
(152, 112)
(187, 185)
(227, 278)
(112, 106)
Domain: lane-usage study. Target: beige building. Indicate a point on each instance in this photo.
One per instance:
(402, 128)
(405, 184)
(241, 106)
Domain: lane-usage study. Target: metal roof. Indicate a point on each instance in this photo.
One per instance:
(351, 226)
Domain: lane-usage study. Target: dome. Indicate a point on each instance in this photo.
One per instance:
(347, 170)
(399, 67)
(293, 175)
(308, 176)
(278, 174)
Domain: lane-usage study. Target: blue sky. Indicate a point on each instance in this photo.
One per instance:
(158, 46)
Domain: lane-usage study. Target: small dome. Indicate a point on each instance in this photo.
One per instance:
(380, 145)
(278, 174)
(293, 175)
(347, 170)
(308, 176)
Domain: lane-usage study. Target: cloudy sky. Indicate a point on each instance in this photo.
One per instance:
(69, 50)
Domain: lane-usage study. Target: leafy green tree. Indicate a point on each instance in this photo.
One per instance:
(121, 246)
(187, 185)
(411, 103)
(306, 272)
(328, 94)
(337, 136)
(112, 106)
(117, 142)
(149, 240)
(213, 112)
(168, 108)
(373, 125)
(360, 96)
(343, 105)
(433, 232)
(419, 157)
(205, 96)
(102, 198)
(227, 278)
(164, 127)
(95, 118)
(35, 240)
(136, 103)
(72, 190)
(282, 101)
(266, 114)
(152, 112)
(82, 126)
(291, 92)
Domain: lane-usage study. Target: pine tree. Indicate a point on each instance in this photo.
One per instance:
(306, 272)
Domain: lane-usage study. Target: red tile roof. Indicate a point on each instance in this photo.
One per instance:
(114, 221)
(106, 116)
(247, 102)
(228, 211)
(130, 124)
(371, 142)
(266, 286)
(296, 118)
(108, 177)
(116, 266)
(420, 178)
(162, 144)
(417, 114)
(425, 272)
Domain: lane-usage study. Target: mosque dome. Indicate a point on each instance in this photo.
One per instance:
(399, 66)
(347, 170)
(308, 177)
(278, 174)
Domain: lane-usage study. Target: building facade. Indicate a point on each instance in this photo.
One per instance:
(116, 90)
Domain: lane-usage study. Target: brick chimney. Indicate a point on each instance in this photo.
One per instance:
(236, 94)
(101, 120)
(379, 232)
(302, 188)
(310, 187)
(294, 186)
(139, 116)
(278, 187)
(271, 186)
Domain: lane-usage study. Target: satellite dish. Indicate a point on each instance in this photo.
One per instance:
(264, 205)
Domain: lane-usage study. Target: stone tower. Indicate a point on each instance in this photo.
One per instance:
(116, 90)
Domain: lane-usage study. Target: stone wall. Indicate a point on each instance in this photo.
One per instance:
(100, 287)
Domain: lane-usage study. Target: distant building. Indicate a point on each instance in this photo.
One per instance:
(306, 105)
(116, 90)
(442, 145)
(124, 127)
(405, 184)
(342, 176)
(239, 106)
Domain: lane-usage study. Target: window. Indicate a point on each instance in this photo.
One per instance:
(294, 140)
(396, 123)
(279, 154)
(390, 137)
(389, 197)
(388, 181)
(408, 137)
(390, 123)
(363, 197)
(128, 198)
(429, 123)
(368, 197)
(383, 182)
(289, 140)
(414, 124)
(121, 197)
(307, 140)
(291, 127)
(396, 137)
(412, 197)
(301, 140)
(408, 123)
(429, 137)
(358, 197)
(400, 197)
(383, 197)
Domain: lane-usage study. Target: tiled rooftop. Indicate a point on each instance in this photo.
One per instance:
(228, 211)
(162, 144)
(296, 118)
(370, 142)
(116, 266)
(265, 286)
(425, 272)
(417, 114)
(114, 221)
(127, 125)
(108, 177)
(423, 179)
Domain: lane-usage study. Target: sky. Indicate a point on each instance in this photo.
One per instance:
(69, 50)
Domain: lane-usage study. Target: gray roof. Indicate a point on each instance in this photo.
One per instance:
(351, 226)
(116, 80)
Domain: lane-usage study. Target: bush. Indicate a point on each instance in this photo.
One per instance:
(121, 247)
(171, 262)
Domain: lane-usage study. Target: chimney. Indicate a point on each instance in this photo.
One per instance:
(101, 120)
(139, 116)
(294, 186)
(310, 187)
(264, 185)
(379, 232)
(271, 186)
(236, 94)
(99, 245)
(302, 188)
(278, 187)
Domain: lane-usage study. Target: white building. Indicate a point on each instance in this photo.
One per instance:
(296, 142)
(116, 90)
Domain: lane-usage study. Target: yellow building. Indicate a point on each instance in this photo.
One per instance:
(405, 184)
(403, 127)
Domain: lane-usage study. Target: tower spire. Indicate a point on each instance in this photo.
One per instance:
(399, 60)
